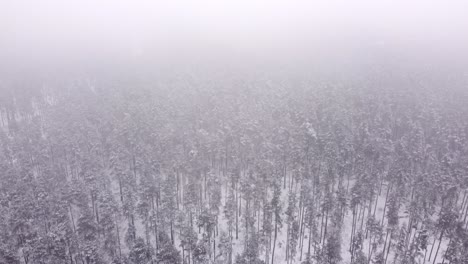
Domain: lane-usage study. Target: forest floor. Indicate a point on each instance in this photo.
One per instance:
(280, 255)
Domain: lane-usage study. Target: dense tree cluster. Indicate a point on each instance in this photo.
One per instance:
(232, 172)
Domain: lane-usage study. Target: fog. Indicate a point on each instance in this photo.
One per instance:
(240, 132)
(47, 33)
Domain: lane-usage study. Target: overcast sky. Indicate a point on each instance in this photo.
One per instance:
(57, 30)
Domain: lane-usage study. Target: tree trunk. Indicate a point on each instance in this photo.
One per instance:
(73, 221)
(386, 237)
(438, 247)
(301, 233)
(118, 239)
(274, 243)
(183, 254)
(385, 204)
(287, 243)
(321, 225)
(310, 239)
(370, 250)
(325, 229)
(353, 229)
(388, 250)
(237, 217)
(432, 248)
(120, 189)
(172, 234)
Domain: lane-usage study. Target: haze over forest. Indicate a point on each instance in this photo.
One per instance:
(246, 132)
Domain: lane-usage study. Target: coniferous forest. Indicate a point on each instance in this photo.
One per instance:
(232, 170)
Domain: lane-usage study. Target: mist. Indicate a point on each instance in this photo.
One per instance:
(41, 34)
(240, 132)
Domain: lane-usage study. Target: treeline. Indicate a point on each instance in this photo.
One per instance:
(221, 172)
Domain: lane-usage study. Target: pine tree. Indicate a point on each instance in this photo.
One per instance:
(140, 252)
(167, 253)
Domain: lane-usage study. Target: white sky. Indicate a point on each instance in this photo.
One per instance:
(62, 28)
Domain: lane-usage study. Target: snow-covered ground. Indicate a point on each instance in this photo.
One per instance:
(280, 257)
